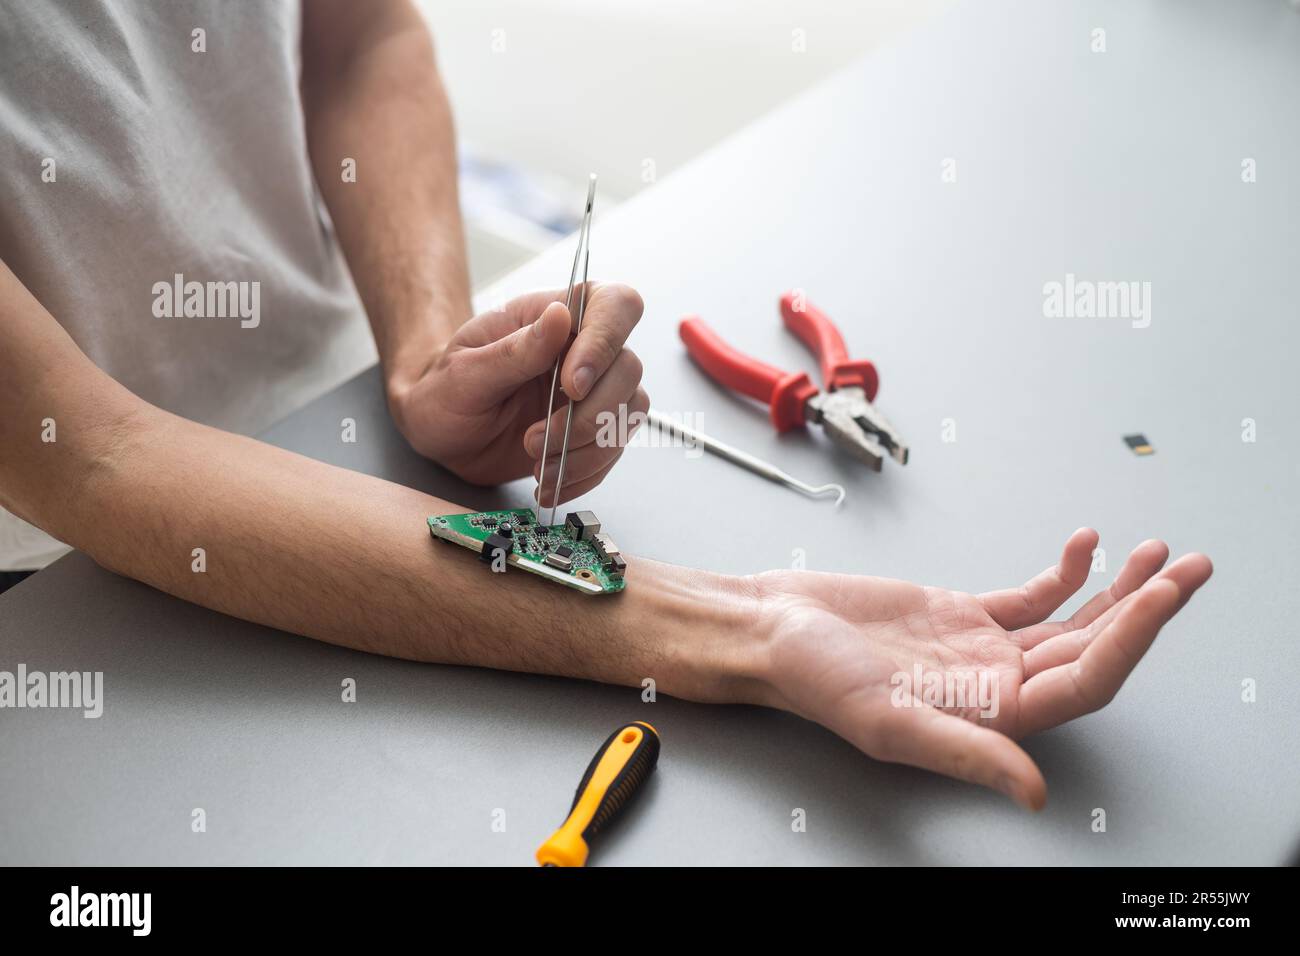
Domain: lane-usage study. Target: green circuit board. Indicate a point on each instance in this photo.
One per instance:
(589, 571)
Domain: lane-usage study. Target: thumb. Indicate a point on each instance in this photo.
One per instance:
(502, 366)
(951, 745)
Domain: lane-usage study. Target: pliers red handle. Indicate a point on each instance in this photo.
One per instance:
(844, 410)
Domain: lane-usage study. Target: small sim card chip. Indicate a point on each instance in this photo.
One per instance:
(1139, 444)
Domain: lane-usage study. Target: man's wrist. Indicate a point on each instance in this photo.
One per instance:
(709, 644)
(409, 351)
(403, 371)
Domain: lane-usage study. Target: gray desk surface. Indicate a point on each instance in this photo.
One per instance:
(1123, 165)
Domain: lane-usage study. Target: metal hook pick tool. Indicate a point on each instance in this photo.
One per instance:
(743, 459)
(581, 256)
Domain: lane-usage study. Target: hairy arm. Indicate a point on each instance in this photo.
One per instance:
(371, 93)
(317, 550)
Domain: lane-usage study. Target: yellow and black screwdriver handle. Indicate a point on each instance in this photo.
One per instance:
(620, 766)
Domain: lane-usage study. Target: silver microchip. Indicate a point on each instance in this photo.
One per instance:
(588, 522)
(559, 561)
(605, 545)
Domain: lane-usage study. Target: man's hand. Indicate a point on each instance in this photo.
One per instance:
(479, 406)
(470, 395)
(837, 644)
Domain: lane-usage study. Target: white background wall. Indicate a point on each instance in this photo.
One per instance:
(567, 87)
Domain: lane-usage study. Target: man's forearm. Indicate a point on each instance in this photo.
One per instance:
(372, 94)
(346, 558)
(321, 551)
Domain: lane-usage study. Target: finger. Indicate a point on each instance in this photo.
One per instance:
(498, 368)
(617, 391)
(611, 313)
(591, 460)
(1056, 651)
(580, 464)
(500, 319)
(1089, 683)
(1188, 572)
(1040, 596)
(1144, 560)
(947, 744)
(1067, 647)
(578, 489)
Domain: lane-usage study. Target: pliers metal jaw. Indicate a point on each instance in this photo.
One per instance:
(844, 410)
(856, 426)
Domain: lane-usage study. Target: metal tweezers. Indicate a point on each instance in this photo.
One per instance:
(583, 256)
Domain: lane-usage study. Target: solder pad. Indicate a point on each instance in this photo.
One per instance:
(532, 542)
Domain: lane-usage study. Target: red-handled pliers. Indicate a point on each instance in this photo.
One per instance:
(844, 410)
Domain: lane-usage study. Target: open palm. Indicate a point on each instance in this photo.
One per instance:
(846, 652)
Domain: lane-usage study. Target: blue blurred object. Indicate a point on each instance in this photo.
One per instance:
(490, 188)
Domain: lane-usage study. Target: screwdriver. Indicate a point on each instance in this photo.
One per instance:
(620, 766)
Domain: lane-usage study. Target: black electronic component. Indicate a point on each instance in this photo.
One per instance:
(617, 566)
(564, 551)
(495, 542)
(506, 529)
(1139, 444)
